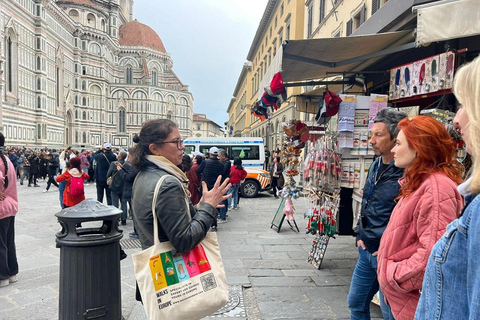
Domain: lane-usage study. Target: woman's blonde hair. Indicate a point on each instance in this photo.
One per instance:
(466, 87)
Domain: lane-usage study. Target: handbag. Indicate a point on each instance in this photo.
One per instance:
(110, 179)
(173, 285)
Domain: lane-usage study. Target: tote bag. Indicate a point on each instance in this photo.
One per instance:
(173, 285)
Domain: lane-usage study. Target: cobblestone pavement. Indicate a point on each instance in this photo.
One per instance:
(267, 271)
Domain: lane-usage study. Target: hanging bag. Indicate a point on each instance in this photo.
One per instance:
(184, 286)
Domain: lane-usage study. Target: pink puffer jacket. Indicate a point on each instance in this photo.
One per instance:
(416, 223)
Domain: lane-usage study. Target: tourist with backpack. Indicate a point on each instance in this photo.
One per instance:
(74, 191)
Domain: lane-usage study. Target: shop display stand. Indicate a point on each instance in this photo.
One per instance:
(279, 218)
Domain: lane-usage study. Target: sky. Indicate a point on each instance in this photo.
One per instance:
(208, 41)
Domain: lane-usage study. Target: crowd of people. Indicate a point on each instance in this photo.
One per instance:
(417, 236)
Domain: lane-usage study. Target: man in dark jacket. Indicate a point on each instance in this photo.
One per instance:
(52, 168)
(210, 169)
(118, 183)
(379, 193)
(103, 158)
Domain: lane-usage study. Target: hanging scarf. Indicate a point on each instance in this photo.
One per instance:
(165, 164)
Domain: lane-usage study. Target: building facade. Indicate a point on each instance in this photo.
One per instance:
(83, 72)
(204, 127)
(282, 20)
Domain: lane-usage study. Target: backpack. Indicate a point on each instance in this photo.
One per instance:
(76, 186)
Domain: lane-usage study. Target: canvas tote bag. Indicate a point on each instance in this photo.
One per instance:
(173, 286)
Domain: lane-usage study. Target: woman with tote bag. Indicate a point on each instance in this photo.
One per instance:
(180, 272)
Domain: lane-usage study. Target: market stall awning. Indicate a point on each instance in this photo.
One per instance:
(312, 58)
(444, 20)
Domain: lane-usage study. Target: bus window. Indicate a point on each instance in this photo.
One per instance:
(189, 149)
(246, 152)
(206, 149)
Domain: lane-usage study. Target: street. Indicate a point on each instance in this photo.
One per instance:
(267, 271)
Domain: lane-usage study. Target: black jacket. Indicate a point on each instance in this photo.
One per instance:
(118, 180)
(52, 166)
(129, 176)
(212, 169)
(103, 164)
(172, 212)
(377, 204)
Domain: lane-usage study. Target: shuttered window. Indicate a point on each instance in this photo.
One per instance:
(349, 27)
(375, 6)
(322, 10)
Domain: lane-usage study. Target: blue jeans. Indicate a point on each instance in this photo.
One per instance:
(234, 190)
(223, 211)
(116, 198)
(363, 287)
(61, 188)
(86, 171)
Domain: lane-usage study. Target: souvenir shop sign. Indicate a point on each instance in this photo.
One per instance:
(423, 77)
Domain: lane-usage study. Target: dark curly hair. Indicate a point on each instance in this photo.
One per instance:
(153, 131)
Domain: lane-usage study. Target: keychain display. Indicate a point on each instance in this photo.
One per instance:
(322, 171)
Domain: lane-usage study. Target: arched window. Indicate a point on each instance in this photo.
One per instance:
(84, 137)
(39, 64)
(121, 120)
(84, 101)
(9, 64)
(84, 85)
(39, 84)
(154, 78)
(76, 83)
(84, 115)
(91, 20)
(128, 75)
(104, 29)
(58, 86)
(76, 114)
(74, 15)
(39, 102)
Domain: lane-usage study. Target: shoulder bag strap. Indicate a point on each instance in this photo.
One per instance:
(154, 201)
(106, 158)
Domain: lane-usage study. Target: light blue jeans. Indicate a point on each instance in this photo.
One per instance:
(61, 187)
(363, 287)
(233, 189)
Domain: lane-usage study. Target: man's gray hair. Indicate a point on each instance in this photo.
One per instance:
(391, 118)
(222, 152)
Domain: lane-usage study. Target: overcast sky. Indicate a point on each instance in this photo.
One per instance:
(208, 41)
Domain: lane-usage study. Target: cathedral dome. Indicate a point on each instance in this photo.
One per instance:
(134, 33)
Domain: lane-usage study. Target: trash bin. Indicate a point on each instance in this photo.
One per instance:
(89, 262)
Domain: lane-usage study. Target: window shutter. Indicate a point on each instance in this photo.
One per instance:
(375, 6)
(322, 10)
(349, 27)
(363, 13)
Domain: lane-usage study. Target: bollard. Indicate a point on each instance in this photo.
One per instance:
(90, 285)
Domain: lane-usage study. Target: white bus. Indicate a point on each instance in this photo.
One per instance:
(250, 150)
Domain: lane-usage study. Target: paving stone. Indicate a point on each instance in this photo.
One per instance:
(237, 280)
(282, 281)
(285, 248)
(295, 310)
(299, 273)
(330, 281)
(280, 294)
(265, 273)
(275, 255)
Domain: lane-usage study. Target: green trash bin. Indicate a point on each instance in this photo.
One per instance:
(90, 285)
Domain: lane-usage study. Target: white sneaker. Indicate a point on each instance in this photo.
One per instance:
(45, 191)
(219, 221)
(13, 279)
(4, 283)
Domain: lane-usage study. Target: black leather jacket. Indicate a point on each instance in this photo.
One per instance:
(171, 209)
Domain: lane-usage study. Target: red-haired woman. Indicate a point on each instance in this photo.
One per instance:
(428, 202)
(70, 198)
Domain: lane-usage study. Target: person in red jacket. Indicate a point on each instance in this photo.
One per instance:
(428, 202)
(237, 175)
(70, 200)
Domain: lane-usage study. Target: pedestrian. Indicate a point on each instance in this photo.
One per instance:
(276, 173)
(158, 151)
(210, 169)
(63, 159)
(8, 210)
(128, 173)
(223, 157)
(34, 169)
(85, 165)
(52, 169)
(20, 169)
(26, 168)
(103, 157)
(267, 158)
(379, 193)
(14, 160)
(43, 166)
(74, 190)
(428, 201)
(451, 285)
(194, 180)
(117, 185)
(186, 163)
(237, 175)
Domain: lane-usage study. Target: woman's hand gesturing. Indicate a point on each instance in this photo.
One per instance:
(216, 195)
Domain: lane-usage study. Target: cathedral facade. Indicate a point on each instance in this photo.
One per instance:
(83, 72)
